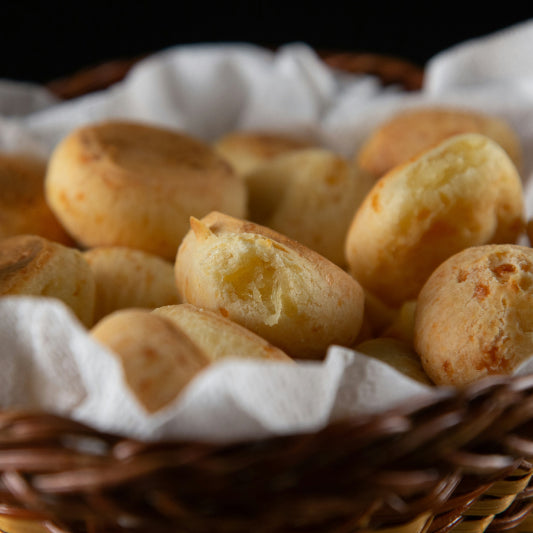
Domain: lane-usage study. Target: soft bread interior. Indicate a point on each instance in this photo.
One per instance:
(464, 192)
(474, 315)
(33, 265)
(126, 277)
(261, 274)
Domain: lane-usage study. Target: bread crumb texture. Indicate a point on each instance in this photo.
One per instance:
(277, 288)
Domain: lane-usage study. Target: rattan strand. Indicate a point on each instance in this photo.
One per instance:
(424, 467)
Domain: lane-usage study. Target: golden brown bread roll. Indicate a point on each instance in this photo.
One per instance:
(410, 132)
(403, 325)
(310, 196)
(23, 207)
(125, 277)
(397, 353)
(33, 265)
(157, 358)
(474, 315)
(129, 184)
(378, 314)
(464, 192)
(218, 336)
(278, 288)
(247, 150)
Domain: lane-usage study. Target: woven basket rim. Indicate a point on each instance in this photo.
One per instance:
(388, 69)
(437, 457)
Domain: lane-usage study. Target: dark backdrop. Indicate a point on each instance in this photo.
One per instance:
(41, 41)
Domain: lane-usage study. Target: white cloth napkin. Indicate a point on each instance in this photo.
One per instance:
(48, 359)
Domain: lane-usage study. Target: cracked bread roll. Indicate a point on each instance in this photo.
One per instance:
(120, 183)
(32, 265)
(309, 195)
(157, 358)
(247, 150)
(464, 192)
(218, 336)
(125, 277)
(274, 286)
(23, 207)
(474, 315)
(410, 132)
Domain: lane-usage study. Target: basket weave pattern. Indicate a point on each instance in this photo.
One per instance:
(459, 462)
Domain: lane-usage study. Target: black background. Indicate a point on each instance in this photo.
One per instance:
(42, 41)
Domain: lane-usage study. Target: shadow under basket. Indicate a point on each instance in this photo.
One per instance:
(462, 461)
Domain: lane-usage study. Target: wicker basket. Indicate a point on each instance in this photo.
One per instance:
(458, 462)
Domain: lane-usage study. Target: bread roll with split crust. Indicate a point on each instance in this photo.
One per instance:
(218, 336)
(474, 315)
(120, 183)
(248, 150)
(23, 207)
(34, 266)
(278, 288)
(464, 192)
(157, 358)
(125, 277)
(310, 196)
(410, 132)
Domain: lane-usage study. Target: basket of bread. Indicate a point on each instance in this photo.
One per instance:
(252, 320)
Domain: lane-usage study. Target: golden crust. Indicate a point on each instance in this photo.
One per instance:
(278, 288)
(474, 315)
(248, 150)
(397, 353)
(464, 192)
(157, 358)
(23, 207)
(218, 336)
(309, 195)
(33, 265)
(413, 131)
(130, 184)
(125, 277)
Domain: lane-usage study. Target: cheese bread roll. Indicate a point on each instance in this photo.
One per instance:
(410, 132)
(278, 288)
(397, 353)
(218, 336)
(32, 265)
(120, 183)
(246, 150)
(310, 196)
(464, 192)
